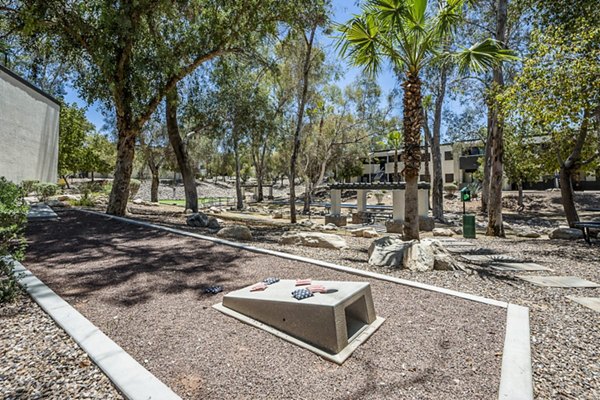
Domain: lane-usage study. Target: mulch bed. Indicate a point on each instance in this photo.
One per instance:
(145, 289)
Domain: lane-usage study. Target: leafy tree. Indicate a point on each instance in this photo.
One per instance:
(558, 93)
(129, 55)
(404, 33)
(98, 154)
(153, 144)
(74, 128)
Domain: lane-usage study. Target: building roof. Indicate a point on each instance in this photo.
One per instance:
(29, 84)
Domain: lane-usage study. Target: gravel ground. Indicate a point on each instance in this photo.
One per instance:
(565, 335)
(143, 288)
(40, 361)
(205, 189)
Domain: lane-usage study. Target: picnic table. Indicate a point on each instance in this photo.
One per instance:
(585, 226)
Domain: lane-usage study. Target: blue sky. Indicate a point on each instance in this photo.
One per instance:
(342, 11)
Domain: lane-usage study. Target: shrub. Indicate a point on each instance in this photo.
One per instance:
(134, 187)
(475, 189)
(45, 190)
(13, 219)
(450, 188)
(90, 187)
(29, 186)
(107, 187)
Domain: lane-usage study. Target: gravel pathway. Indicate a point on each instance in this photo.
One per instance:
(144, 289)
(565, 335)
(40, 361)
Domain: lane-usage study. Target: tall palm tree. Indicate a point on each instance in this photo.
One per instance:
(406, 34)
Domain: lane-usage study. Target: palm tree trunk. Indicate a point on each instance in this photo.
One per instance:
(495, 227)
(487, 163)
(438, 183)
(183, 161)
(412, 153)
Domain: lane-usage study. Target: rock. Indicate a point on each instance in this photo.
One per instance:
(443, 259)
(213, 223)
(458, 231)
(138, 201)
(277, 215)
(366, 232)
(215, 210)
(57, 203)
(238, 232)
(198, 220)
(387, 251)
(566, 233)
(370, 233)
(328, 227)
(442, 232)
(418, 256)
(307, 222)
(526, 233)
(67, 197)
(314, 239)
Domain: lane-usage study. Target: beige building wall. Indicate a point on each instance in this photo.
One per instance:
(28, 131)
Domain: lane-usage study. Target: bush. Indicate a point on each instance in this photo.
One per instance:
(45, 190)
(91, 187)
(134, 187)
(13, 219)
(29, 186)
(107, 187)
(475, 189)
(450, 188)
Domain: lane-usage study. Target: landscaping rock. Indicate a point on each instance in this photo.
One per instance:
(238, 232)
(314, 239)
(418, 256)
(387, 251)
(67, 197)
(215, 210)
(526, 233)
(213, 223)
(366, 232)
(138, 201)
(442, 232)
(566, 233)
(328, 227)
(198, 220)
(277, 215)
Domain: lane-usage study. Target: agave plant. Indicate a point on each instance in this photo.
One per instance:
(404, 33)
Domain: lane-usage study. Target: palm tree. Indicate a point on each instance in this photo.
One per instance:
(404, 33)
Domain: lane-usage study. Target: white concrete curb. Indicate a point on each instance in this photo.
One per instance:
(516, 382)
(130, 378)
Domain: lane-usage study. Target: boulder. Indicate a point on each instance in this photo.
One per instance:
(238, 232)
(442, 232)
(387, 251)
(57, 203)
(314, 239)
(424, 255)
(138, 201)
(198, 220)
(213, 223)
(566, 233)
(419, 256)
(366, 232)
(67, 197)
(527, 233)
(215, 210)
(328, 227)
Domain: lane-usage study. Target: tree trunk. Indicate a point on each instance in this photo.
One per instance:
(66, 181)
(154, 187)
(567, 195)
(259, 183)
(307, 196)
(520, 195)
(238, 181)
(179, 148)
(495, 227)
(117, 203)
(412, 104)
(487, 163)
(299, 121)
(437, 196)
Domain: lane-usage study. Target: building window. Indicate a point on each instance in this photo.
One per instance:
(448, 156)
(423, 178)
(449, 178)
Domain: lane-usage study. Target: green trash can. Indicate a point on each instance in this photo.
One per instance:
(469, 226)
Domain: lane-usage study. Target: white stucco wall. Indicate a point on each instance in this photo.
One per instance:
(28, 132)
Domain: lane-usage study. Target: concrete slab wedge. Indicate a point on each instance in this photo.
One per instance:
(589, 302)
(559, 281)
(41, 212)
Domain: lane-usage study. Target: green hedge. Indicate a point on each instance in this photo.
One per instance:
(13, 219)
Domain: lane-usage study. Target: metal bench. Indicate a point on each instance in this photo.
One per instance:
(585, 227)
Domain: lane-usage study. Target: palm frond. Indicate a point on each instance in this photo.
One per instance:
(358, 42)
(483, 56)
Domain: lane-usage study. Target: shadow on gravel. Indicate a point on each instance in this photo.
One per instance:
(85, 254)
